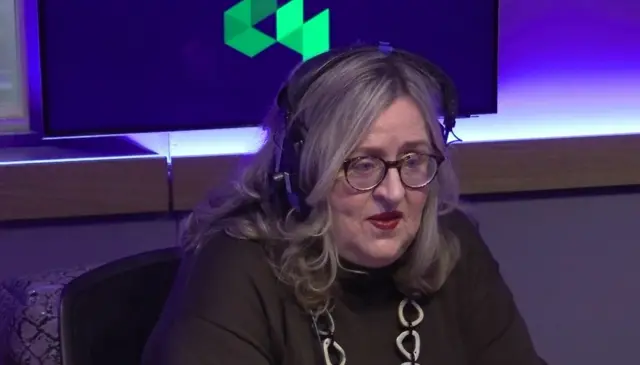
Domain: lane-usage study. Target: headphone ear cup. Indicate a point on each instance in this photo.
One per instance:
(287, 193)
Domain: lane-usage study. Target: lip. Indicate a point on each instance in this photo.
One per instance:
(386, 216)
(386, 225)
(386, 221)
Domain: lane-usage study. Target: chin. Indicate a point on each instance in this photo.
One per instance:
(386, 252)
(380, 262)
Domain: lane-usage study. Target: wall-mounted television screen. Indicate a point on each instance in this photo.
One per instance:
(121, 66)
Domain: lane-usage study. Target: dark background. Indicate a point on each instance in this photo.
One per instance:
(124, 66)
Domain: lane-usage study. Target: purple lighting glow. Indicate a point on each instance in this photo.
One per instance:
(566, 69)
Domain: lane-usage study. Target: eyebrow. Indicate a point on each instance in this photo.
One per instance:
(407, 146)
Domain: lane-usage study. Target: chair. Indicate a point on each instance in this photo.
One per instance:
(107, 314)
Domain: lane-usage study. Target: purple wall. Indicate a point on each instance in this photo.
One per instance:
(566, 68)
(572, 265)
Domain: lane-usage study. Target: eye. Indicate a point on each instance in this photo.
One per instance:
(364, 165)
(414, 160)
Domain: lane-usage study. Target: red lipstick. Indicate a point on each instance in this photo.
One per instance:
(386, 221)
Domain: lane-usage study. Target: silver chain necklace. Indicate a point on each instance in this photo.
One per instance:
(325, 328)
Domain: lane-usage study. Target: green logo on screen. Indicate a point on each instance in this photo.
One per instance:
(308, 38)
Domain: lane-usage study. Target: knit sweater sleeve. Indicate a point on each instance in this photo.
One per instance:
(221, 310)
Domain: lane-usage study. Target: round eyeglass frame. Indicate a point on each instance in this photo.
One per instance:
(397, 164)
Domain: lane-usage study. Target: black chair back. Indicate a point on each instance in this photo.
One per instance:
(107, 314)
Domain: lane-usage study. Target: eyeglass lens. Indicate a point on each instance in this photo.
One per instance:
(416, 170)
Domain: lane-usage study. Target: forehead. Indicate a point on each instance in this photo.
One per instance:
(402, 124)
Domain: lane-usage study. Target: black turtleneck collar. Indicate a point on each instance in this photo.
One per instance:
(359, 285)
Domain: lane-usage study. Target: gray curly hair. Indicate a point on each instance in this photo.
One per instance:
(337, 110)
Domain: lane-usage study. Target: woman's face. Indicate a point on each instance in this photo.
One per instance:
(359, 236)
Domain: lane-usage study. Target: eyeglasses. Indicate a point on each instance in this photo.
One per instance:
(367, 172)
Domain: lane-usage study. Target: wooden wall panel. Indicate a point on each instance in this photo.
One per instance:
(487, 167)
(83, 188)
(548, 164)
(125, 186)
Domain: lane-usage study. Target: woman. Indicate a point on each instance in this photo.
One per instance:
(343, 242)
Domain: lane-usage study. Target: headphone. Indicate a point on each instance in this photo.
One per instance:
(286, 191)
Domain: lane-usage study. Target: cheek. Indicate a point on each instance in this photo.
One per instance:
(346, 208)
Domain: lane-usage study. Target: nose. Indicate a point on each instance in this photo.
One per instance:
(391, 188)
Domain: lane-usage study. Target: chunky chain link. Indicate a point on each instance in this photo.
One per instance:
(409, 330)
(334, 354)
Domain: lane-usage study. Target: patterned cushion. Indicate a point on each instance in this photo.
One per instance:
(29, 317)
